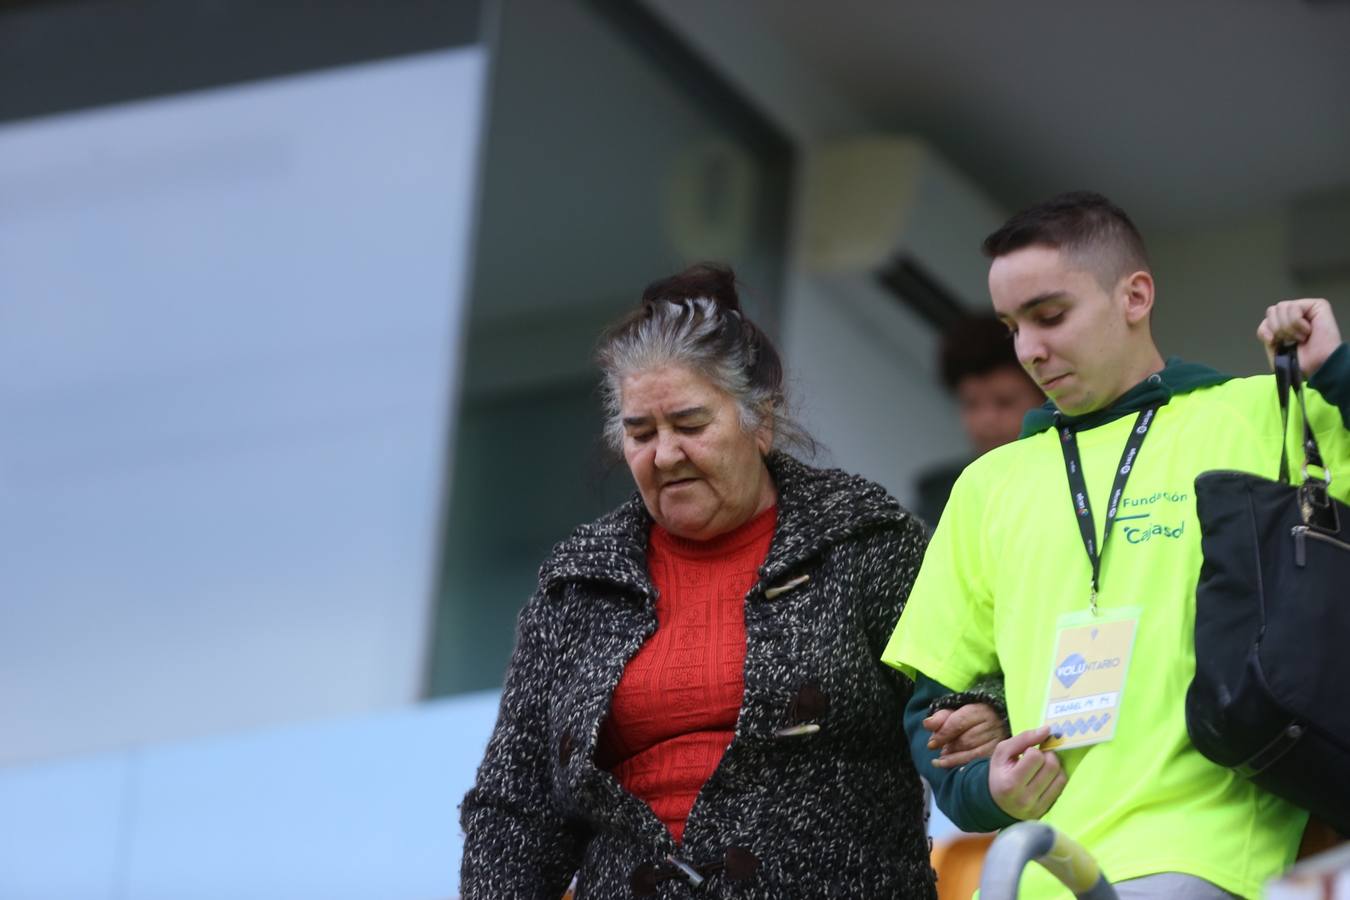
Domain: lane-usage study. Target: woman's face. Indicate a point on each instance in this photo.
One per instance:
(700, 474)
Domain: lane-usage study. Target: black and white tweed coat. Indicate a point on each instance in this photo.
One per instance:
(816, 795)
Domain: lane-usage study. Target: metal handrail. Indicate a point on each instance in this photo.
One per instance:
(1064, 857)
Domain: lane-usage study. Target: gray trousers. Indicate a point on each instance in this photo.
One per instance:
(1172, 885)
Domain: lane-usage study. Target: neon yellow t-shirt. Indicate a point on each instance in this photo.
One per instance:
(1007, 560)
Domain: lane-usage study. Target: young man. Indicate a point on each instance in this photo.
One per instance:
(1014, 581)
(978, 366)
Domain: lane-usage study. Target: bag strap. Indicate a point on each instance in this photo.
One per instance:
(1284, 360)
(1287, 376)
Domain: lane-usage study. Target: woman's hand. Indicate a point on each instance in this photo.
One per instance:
(964, 734)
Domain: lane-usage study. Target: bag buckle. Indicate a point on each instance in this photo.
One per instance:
(1324, 478)
(1316, 507)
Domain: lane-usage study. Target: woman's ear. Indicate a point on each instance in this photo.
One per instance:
(764, 435)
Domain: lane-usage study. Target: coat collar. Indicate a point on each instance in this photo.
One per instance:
(817, 508)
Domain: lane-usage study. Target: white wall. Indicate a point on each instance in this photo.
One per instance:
(1214, 283)
(864, 363)
(359, 808)
(225, 369)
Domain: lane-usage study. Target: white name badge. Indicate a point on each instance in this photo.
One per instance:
(1087, 676)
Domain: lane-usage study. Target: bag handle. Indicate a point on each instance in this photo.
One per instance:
(1288, 375)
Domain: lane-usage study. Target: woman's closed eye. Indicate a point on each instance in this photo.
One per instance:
(642, 437)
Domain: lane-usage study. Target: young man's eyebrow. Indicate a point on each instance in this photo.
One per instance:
(1039, 300)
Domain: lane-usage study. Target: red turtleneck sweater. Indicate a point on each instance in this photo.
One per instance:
(674, 710)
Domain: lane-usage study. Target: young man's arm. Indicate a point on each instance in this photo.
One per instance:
(1332, 381)
(961, 793)
(1019, 781)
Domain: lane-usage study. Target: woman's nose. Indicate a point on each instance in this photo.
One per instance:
(669, 453)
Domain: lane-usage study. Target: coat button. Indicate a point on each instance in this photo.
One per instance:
(810, 703)
(565, 747)
(739, 863)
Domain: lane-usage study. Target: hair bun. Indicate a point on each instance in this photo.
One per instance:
(710, 281)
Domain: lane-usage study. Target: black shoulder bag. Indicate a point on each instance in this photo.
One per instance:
(1271, 693)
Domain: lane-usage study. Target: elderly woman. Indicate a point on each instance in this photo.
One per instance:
(695, 705)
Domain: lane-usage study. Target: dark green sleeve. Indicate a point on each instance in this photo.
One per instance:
(1332, 381)
(962, 794)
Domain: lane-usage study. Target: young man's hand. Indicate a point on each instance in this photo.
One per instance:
(964, 734)
(1308, 323)
(1024, 780)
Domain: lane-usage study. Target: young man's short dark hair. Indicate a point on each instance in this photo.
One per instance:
(1080, 223)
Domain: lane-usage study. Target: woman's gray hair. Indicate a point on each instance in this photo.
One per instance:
(694, 320)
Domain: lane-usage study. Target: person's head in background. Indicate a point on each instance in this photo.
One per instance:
(979, 366)
(1070, 278)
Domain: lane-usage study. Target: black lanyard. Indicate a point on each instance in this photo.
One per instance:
(1082, 509)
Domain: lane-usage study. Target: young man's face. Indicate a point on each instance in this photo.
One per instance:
(1070, 333)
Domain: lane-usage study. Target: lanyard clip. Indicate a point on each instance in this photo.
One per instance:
(1092, 600)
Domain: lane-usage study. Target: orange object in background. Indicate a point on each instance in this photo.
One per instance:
(1318, 837)
(958, 862)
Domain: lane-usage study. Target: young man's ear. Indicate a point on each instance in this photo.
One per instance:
(1138, 288)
